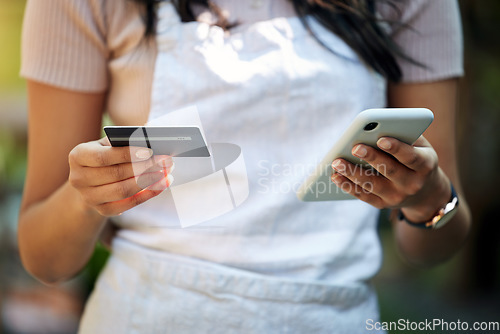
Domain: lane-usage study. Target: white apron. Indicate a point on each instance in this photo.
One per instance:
(272, 264)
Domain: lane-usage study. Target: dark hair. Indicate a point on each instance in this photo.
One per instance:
(352, 20)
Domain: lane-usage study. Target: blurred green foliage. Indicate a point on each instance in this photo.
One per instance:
(12, 142)
(12, 161)
(11, 13)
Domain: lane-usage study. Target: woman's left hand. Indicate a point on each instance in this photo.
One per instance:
(405, 176)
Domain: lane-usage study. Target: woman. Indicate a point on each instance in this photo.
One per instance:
(282, 75)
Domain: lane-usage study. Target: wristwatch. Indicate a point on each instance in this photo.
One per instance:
(440, 218)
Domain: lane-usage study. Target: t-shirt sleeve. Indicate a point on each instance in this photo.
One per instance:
(429, 32)
(64, 44)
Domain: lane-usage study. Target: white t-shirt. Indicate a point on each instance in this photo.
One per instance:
(98, 45)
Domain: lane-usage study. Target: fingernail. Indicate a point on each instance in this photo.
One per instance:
(360, 151)
(336, 165)
(143, 153)
(384, 144)
(335, 178)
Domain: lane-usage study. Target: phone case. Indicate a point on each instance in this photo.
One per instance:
(405, 124)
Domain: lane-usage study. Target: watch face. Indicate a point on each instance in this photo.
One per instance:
(443, 220)
(448, 215)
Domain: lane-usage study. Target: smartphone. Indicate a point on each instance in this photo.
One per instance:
(176, 141)
(404, 124)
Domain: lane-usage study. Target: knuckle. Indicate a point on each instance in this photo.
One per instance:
(125, 154)
(429, 165)
(75, 180)
(101, 158)
(390, 170)
(396, 198)
(105, 210)
(413, 159)
(122, 190)
(118, 172)
(414, 187)
(74, 155)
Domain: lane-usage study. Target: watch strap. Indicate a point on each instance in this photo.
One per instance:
(440, 218)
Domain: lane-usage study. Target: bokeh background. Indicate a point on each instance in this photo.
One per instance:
(467, 288)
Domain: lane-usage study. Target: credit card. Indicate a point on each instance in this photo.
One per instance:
(178, 141)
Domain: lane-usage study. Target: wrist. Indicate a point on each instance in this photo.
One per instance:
(435, 198)
(82, 209)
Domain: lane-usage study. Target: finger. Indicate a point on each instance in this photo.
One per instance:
(390, 193)
(361, 193)
(95, 154)
(385, 164)
(417, 158)
(359, 175)
(95, 176)
(165, 182)
(144, 181)
(117, 207)
(121, 190)
(156, 163)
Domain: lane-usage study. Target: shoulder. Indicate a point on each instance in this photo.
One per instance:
(414, 14)
(104, 22)
(69, 43)
(429, 32)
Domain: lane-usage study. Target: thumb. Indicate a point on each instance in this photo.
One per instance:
(104, 141)
(422, 142)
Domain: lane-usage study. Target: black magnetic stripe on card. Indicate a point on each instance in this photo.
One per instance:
(146, 136)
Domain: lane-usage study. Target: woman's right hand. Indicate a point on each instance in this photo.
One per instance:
(112, 180)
